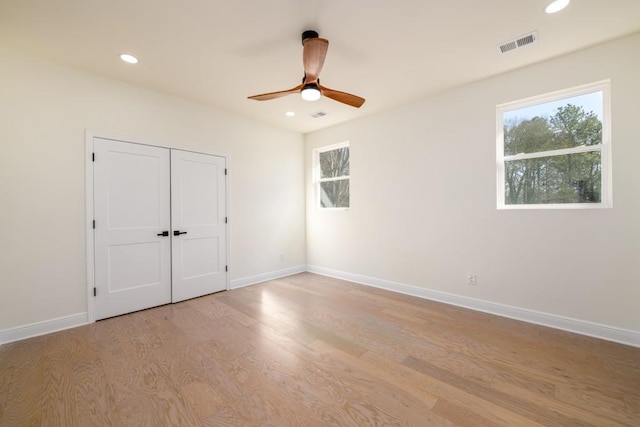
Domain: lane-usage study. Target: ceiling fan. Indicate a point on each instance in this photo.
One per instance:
(313, 54)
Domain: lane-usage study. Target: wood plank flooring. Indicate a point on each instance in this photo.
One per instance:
(308, 350)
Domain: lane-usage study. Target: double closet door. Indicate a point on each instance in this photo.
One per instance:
(160, 226)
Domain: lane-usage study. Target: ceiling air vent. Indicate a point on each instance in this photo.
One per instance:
(318, 114)
(519, 42)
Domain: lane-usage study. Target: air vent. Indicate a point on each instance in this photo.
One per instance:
(318, 114)
(521, 41)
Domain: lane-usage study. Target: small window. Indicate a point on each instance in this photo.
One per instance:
(332, 175)
(553, 151)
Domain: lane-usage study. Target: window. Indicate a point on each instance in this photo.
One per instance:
(332, 175)
(553, 151)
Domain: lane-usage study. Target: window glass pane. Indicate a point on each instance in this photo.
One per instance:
(334, 163)
(566, 123)
(571, 178)
(334, 194)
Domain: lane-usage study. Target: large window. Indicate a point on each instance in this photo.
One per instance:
(553, 151)
(332, 175)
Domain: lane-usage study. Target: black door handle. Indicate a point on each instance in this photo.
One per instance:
(178, 232)
(164, 233)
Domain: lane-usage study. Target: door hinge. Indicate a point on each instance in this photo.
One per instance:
(93, 157)
(226, 220)
(226, 268)
(94, 291)
(94, 224)
(225, 171)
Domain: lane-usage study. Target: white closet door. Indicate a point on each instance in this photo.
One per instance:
(131, 207)
(198, 194)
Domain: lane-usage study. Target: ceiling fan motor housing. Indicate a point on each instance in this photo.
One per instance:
(309, 34)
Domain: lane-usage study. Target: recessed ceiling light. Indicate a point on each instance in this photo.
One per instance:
(557, 6)
(290, 113)
(126, 57)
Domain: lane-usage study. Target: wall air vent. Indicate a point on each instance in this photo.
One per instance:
(521, 41)
(318, 114)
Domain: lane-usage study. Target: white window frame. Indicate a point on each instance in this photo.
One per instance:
(318, 180)
(604, 148)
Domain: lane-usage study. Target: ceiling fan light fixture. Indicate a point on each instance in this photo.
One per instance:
(310, 92)
(557, 6)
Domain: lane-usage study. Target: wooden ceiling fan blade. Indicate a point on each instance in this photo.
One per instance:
(314, 52)
(274, 95)
(345, 98)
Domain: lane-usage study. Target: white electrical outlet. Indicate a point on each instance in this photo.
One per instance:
(471, 279)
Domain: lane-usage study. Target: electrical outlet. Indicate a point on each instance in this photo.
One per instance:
(471, 279)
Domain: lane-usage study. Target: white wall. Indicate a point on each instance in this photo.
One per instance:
(423, 200)
(44, 111)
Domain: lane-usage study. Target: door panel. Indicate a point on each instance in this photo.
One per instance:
(147, 270)
(197, 256)
(198, 210)
(131, 206)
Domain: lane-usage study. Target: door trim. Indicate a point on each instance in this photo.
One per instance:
(89, 210)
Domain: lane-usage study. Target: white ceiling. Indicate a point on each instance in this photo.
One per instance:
(218, 52)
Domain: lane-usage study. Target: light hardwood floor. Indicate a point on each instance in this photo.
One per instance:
(308, 350)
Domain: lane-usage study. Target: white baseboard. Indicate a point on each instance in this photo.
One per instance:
(40, 328)
(48, 326)
(609, 333)
(252, 280)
